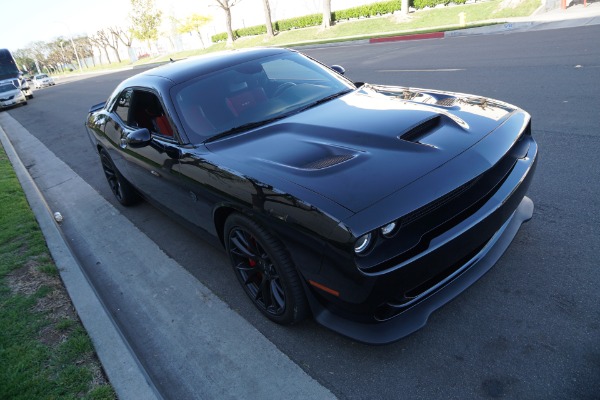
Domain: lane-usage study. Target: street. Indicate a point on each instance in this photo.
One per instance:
(530, 328)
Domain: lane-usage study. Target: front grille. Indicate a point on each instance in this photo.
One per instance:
(417, 214)
(422, 225)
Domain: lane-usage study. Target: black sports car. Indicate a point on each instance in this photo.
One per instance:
(368, 206)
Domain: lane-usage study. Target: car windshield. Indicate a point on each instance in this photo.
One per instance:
(254, 93)
(41, 76)
(7, 87)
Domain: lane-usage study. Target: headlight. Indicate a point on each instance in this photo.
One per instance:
(388, 230)
(362, 243)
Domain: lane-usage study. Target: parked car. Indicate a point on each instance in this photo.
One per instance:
(42, 80)
(10, 95)
(20, 83)
(368, 206)
(25, 87)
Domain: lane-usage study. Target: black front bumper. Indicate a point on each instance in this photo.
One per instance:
(466, 252)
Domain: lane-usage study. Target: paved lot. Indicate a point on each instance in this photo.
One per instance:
(528, 329)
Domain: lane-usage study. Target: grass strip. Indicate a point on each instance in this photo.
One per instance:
(45, 352)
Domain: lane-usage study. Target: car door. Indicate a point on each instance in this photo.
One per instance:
(154, 168)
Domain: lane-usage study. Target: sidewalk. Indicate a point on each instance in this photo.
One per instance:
(190, 327)
(573, 16)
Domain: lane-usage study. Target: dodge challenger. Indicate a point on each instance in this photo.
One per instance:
(364, 206)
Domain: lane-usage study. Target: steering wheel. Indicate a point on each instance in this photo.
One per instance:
(282, 88)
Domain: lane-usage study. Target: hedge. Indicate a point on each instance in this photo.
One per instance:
(418, 4)
(365, 11)
(283, 25)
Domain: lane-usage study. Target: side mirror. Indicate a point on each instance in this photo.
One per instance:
(138, 138)
(339, 69)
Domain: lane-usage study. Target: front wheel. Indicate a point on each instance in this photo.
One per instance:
(265, 271)
(123, 191)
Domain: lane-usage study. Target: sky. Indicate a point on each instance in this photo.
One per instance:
(33, 20)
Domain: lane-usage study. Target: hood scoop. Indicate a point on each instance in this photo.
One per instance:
(421, 130)
(326, 162)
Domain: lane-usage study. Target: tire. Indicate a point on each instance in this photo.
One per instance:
(123, 190)
(265, 271)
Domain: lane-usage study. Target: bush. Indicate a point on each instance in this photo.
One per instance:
(251, 31)
(366, 11)
(283, 25)
(418, 4)
(219, 37)
(299, 22)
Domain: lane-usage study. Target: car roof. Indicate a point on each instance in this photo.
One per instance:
(184, 70)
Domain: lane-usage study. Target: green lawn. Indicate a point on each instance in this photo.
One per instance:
(44, 351)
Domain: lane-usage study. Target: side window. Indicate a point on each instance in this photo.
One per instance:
(122, 105)
(146, 111)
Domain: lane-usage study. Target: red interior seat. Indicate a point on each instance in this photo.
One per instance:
(245, 100)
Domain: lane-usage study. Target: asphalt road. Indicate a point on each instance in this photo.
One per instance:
(530, 328)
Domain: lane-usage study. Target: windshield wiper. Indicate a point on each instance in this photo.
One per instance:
(244, 127)
(325, 99)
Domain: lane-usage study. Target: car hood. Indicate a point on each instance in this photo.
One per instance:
(8, 95)
(366, 145)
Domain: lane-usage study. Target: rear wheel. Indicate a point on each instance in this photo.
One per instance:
(123, 191)
(265, 271)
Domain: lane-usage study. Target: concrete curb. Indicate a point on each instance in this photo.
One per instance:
(124, 370)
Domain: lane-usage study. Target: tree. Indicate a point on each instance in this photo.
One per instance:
(24, 60)
(226, 6)
(61, 53)
(145, 20)
(326, 14)
(84, 48)
(126, 37)
(39, 52)
(101, 45)
(193, 23)
(268, 22)
(107, 39)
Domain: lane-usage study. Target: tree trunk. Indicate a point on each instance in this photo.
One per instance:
(201, 39)
(106, 53)
(404, 7)
(230, 37)
(116, 50)
(268, 22)
(326, 14)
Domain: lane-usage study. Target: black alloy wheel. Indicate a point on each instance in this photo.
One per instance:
(122, 189)
(265, 271)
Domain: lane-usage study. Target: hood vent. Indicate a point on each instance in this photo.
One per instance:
(446, 101)
(422, 129)
(327, 162)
